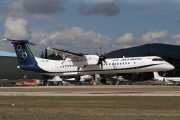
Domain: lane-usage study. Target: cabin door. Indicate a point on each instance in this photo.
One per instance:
(135, 65)
(115, 65)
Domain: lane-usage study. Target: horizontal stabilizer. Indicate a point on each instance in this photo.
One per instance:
(18, 41)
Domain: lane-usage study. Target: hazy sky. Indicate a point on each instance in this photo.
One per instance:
(83, 26)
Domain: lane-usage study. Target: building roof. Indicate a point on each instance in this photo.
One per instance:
(7, 54)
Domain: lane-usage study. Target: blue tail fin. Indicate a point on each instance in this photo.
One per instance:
(23, 52)
(25, 57)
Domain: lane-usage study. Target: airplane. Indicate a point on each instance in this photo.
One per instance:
(25, 83)
(169, 80)
(116, 79)
(119, 79)
(56, 80)
(82, 78)
(78, 64)
(20, 83)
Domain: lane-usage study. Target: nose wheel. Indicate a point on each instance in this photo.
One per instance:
(164, 75)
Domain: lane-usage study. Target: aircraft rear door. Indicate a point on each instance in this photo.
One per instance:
(57, 68)
(135, 64)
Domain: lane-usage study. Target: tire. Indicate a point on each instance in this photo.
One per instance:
(77, 78)
(103, 81)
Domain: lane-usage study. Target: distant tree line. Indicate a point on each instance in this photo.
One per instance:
(51, 56)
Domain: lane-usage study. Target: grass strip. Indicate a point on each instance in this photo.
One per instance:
(89, 108)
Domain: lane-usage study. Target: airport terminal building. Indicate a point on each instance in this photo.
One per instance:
(9, 70)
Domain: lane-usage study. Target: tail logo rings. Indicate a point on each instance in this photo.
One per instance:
(22, 53)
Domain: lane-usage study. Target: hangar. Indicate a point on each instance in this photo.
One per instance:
(9, 70)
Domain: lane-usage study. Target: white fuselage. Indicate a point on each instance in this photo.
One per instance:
(166, 79)
(116, 65)
(82, 78)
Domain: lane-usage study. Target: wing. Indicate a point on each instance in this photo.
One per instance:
(67, 54)
(172, 81)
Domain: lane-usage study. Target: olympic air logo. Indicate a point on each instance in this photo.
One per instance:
(22, 53)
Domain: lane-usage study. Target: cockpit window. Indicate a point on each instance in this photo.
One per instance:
(157, 59)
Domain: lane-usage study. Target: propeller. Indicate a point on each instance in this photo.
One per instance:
(102, 58)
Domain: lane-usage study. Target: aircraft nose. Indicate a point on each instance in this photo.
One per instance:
(168, 66)
(171, 67)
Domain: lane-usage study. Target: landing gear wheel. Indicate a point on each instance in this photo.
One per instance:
(77, 78)
(103, 81)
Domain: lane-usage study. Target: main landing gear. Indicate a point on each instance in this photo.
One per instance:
(103, 80)
(77, 78)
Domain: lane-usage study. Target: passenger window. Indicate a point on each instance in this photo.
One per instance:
(161, 59)
(157, 59)
(154, 59)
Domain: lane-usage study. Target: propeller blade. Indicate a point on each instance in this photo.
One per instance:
(105, 61)
(101, 65)
(102, 58)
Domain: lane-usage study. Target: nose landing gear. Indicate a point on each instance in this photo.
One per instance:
(164, 75)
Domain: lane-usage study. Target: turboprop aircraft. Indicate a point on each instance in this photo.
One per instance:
(79, 64)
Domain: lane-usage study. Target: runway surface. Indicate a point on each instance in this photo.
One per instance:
(96, 93)
(106, 90)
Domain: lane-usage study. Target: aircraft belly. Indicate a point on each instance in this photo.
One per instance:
(47, 67)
